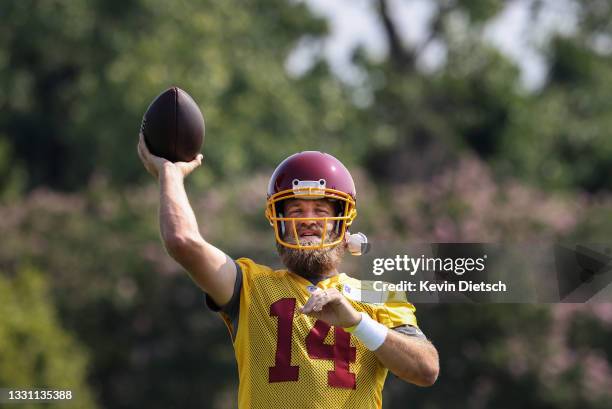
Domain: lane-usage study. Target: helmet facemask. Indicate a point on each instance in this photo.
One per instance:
(285, 228)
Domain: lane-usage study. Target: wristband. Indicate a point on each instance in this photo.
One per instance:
(371, 333)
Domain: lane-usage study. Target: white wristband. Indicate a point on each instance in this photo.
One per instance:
(371, 333)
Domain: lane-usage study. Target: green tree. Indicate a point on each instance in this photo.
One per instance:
(555, 137)
(79, 75)
(35, 351)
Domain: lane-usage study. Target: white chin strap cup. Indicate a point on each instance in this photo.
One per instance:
(357, 243)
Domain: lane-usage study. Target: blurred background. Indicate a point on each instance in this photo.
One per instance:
(461, 120)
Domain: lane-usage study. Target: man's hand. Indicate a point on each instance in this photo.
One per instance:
(155, 164)
(331, 306)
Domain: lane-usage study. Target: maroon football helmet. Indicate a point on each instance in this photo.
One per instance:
(311, 175)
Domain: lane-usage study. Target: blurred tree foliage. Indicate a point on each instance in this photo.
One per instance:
(79, 75)
(35, 351)
(456, 153)
(508, 356)
(150, 340)
(74, 93)
(555, 137)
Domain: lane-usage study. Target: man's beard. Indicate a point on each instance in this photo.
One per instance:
(311, 263)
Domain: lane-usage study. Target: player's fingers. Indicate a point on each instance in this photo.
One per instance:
(331, 296)
(141, 152)
(188, 167)
(139, 148)
(144, 154)
(143, 159)
(197, 161)
(311, 301)
(149, 166)
(322, 300)
(142, 145)
(333, 292)
(313, 307)
(308, 306)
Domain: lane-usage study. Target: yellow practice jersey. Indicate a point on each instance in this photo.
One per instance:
(289, 360)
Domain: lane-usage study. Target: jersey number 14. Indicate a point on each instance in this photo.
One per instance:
(341, 352)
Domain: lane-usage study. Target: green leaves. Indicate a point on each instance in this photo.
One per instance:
(36, 352)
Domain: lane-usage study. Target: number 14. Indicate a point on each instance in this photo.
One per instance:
(341, 352)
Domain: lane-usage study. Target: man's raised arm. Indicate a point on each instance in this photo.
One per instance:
(211, 269)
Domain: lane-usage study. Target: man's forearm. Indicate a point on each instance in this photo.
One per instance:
(412, 359)
(176, 218)
(210, 268)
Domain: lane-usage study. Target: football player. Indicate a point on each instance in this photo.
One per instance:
(302, 336)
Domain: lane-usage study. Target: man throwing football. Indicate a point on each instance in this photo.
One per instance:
(301, 337)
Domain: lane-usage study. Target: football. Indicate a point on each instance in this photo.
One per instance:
(173, 126)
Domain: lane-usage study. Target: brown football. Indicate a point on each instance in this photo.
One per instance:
(173, 126)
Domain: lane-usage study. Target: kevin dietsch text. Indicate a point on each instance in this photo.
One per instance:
(457, 266)
(444, 286)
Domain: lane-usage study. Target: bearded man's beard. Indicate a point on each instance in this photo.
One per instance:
(312, 263)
